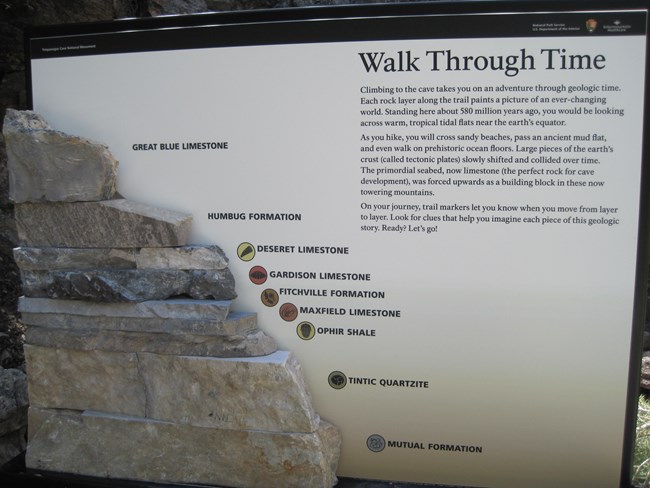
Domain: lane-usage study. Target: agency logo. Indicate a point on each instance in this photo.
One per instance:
(591, 25)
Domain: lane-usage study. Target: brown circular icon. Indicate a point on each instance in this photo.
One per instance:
(258, 275)
(270, 297)
(288, 312)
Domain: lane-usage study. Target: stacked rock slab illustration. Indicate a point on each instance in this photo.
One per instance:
(137, 367)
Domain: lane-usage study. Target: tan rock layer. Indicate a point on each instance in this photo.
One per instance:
(119, 447)
(249, 344)
(265, 393)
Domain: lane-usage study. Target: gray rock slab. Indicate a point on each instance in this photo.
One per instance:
(250, 344)
(261, 393)
(218, 284)
(48, 165)
(191, 257)
(129, 285)
(186, 257)
(112, 223)
(170, 316)
(97, 380)
(111, 446)
(13, 400)
(13, 443)
(67, 258)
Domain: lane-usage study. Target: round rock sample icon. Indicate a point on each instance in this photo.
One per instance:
(270, 297)
(246, 251)
(306, 331)
(257, 275)
(337, 380)
(288, 312)
(376, 443)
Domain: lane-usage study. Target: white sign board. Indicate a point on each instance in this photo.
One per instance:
(436, 211)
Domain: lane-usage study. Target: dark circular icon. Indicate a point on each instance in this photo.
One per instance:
(270, 297)
(288, 312)
(306, 330)
(245, 251)
(376, 443)
(258, 275)
(337, 380)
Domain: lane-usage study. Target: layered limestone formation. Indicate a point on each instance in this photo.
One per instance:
(131, 338)
(48, 165)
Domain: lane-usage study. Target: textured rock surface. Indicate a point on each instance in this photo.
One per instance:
(185, 449)
(129, 285)
(65, 378)
(645, 370)
(253, 343)
(13, 443)
(186, 257)
(263, 393)
(47, 165)
(110, 446)
(174, 7)
(13, 400)
(111, 223)
(55, 258)
(165, 316)
(182, 257)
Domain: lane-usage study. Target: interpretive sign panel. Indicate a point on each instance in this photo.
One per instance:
(435, 207)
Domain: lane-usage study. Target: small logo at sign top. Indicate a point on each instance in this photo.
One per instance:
(591, 25)
(376, 443)
(337, 380)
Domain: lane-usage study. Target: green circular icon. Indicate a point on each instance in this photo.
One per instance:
(246, 251)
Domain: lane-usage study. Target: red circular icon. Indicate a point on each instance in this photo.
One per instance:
(258, 275)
